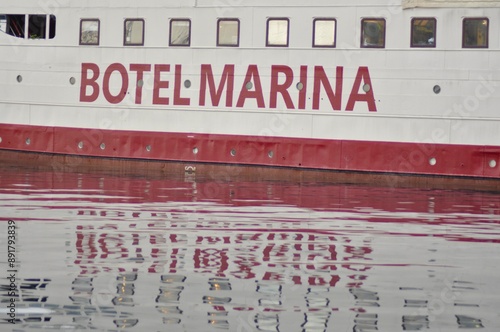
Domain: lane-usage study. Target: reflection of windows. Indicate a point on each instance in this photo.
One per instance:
(475, 33)
(277, 32)
(180, 32)
(324, 31)
(228, 32)
(373, 32)
(89, 32)
(134, 32)
(423, 32)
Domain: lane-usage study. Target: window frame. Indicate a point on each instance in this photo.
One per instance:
(218, 31)
(98, 31)
(382, 19)
(412, 45)
(332, 19)
(487, 31)
(172, 20)
(125, 31)
(287, 31)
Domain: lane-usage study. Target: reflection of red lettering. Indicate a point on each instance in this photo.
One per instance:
(211, 261)
(87, 81)
(244, 267)
(272, 276)
(320, 281)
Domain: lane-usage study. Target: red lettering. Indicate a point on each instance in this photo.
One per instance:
(320, 79)
(115, 99)
(87, 81)
(227, 78)
(245, 93)
(159, 84)
(140, 69)
(178, 100)
(363, 75)
(302, 93)
(281, 88)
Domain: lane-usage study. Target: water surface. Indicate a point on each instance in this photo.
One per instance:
(183, 252)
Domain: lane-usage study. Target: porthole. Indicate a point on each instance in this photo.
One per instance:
(0, 140)
(249, 85)
(148, 148)
(195, 150)
(19, 78)
(233, 152)
(102, 146)
(492, 163)
(72, 80)
(28, 141)
(270, 154)
(187, 84)
(80, 145)
(367, 88)
(300, 86)
(436, 89)
(432, 161)
(140, 83)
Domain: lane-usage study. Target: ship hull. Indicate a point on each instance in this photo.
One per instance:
(399, 107)
(326, 154)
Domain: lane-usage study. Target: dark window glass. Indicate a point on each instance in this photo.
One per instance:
(14, 25)
(475, 33)
(373, 32)
(37, 26)
(423, 32)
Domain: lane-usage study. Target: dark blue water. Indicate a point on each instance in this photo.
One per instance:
(189, 252)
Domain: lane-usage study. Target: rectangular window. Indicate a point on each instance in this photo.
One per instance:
(277, 32)
(180, 32)
(37, 26)
(14, 25)
(228, 32)
(475, 33)
(133, 32)
(89, 32)
(324, 32)
(423, 32)
(3, 23)
(373, 33)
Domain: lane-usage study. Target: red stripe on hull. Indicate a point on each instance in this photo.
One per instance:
(406, 158)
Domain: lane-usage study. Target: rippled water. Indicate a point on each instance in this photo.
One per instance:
(186, 253)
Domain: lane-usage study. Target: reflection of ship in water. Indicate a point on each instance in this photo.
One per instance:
(191, 274)
(183, 255)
